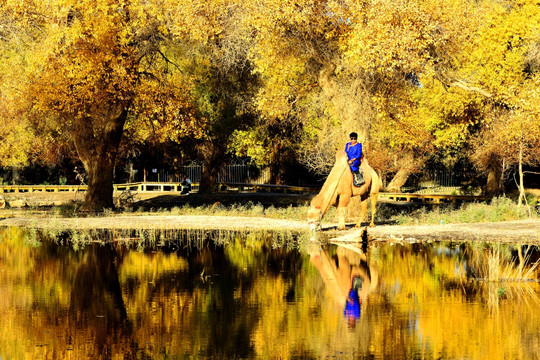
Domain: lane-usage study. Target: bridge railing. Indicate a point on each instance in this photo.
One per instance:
(41, 188)
(160, 187)
(138, 186)
(432, 198)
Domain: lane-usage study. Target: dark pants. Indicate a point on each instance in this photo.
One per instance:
(358, 177)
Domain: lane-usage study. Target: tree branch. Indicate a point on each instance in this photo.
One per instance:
(464, 86)
(168, 61)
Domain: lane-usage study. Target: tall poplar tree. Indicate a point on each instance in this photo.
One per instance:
(89, 66)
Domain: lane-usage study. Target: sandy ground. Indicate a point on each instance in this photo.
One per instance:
(180, 222)
(527, 231)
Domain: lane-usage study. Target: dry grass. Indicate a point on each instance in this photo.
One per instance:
(500, 209)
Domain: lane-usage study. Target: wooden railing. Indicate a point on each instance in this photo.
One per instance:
(41, 188)
(152, 186)
(159, 186)
(432, 198)
(139, 187)
(286, 189)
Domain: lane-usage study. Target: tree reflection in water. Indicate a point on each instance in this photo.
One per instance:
(96, 303)
(249, 298)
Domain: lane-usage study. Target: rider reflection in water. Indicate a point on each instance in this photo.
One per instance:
(354, 303)
(348, 278)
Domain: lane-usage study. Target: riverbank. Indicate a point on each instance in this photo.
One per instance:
(517, 231)
(249, 212)
(526, 231)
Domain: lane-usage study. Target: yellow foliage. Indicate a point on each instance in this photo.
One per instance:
(250, 144)
(406, 36)
(406, 74)
(80, 64)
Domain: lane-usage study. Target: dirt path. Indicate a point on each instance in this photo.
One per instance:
(180, 222)
(526, 231)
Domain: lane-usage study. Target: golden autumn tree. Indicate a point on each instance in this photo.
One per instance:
(88, 67)
(488, 92)
(80, 77)
(450, 68)
(339, 66)
(306, 87)
(24, 139)
(205, 58)
(485, 95)
(224, 38)
(504, 59)
(407, 45)
(208, 55)
(15, 139)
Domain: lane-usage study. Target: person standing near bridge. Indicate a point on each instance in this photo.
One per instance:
(354, 155)
(186, 185)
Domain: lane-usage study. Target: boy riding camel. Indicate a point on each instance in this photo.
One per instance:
(354, 154)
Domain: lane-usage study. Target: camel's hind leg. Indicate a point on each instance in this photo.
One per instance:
(341, 210)
(363, 211)
(374, 198)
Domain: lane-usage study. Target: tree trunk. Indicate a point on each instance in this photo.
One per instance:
(275, 165)
(208, 178)
(401, 177)
(522, 199)
(130, 172)
(493, 185)
(520, 170)
(99, 195)
(97, 147)
(399, 180)
(15, 175)
(213, 160)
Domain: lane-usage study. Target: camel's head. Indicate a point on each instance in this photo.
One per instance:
(314, 218)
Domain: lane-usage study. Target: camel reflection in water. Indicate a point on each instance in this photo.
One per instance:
(347, 275)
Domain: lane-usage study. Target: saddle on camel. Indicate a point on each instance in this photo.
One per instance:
(339, 187)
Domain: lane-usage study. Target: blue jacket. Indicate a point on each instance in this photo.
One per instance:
(352, 306)
(354, 152)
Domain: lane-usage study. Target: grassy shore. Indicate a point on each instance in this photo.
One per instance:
(499, 209)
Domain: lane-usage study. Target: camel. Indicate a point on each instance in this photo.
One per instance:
(339, 184)
(339, 271)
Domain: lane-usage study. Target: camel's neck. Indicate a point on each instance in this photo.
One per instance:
(329, 191)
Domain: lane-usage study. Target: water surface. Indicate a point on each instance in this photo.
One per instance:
(249, 298)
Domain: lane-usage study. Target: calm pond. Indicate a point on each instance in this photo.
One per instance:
(250, 297)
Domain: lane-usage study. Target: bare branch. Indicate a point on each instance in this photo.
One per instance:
(464, 86)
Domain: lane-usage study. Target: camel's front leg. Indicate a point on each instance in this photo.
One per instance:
(374, 198)
(363, 211)
(341, 210)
